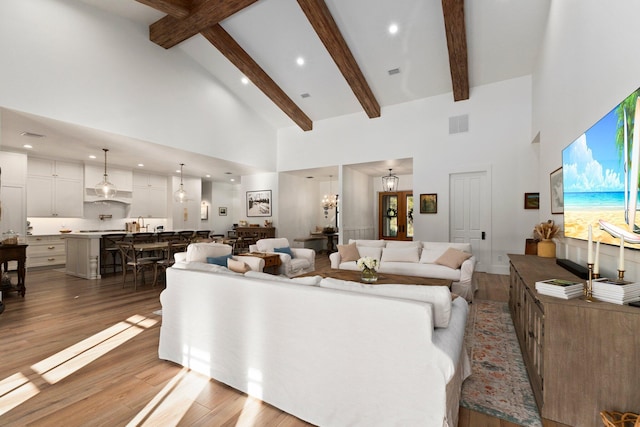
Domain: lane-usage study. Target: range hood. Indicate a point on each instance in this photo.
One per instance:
(124, 197)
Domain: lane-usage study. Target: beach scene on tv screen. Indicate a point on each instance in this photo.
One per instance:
(600, 178)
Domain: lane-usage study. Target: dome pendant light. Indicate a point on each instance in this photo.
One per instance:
(105, 188)
(180, 195)
(390, 182)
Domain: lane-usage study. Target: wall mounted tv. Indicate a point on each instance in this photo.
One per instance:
(600, 172)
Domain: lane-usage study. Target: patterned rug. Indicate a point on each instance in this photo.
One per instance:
(499, 385)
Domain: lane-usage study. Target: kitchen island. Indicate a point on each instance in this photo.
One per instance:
(83, 254)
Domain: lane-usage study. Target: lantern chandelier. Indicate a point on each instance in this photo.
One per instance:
(390, 182)
(180, 195)
(105, 188)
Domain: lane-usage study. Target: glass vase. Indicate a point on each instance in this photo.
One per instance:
(369, 275)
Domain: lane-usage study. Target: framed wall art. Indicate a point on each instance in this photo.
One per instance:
(532, 200)
(429, 203)
(557, 192)
(204, 211)
(222, 211)
(259, 203)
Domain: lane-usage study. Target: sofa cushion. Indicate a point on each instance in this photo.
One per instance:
(369, 251)
(431, 251)
(309, 281)
(403, 254)
(348, 252)
(268, 245)
(369, 243)
(237, 266)
(199, 252)
(438, 296)
(453, 258)
(219, 260)
(284, 250)
(403, 244)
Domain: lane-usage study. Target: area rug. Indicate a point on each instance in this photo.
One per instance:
(498, 385)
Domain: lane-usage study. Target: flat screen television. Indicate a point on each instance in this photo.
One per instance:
(600, 172)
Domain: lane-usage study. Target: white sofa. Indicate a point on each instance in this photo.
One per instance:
(328, 356)
(303, 260)
(416, 258)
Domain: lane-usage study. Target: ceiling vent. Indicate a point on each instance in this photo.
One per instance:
(305, 95)
(32, 135)
(459, 124)
(394, 71)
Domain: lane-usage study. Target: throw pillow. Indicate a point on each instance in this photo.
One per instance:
(219, 260)
(284, 250)
(438, 296)
(453, 258)
(348, 252)
(402, 254)
(199, 252)
(237, 266)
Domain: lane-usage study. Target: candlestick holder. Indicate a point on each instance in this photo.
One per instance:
(620, 274)
(596, 275)
(588, 286)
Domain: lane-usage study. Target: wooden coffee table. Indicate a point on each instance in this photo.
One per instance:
(383, 278)
(271, 261)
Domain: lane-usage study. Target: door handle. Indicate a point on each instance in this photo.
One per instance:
(484, 235)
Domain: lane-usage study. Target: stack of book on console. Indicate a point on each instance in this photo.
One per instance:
(560, 288)
(616, 291)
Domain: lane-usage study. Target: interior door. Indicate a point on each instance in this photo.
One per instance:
(470, 213)
(395, 215)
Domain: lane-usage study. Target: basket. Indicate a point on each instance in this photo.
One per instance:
(619, 419)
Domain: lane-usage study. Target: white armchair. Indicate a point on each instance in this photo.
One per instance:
(198, 253)
(303, 259)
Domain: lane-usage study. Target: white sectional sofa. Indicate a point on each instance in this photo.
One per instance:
(330, 352)
(416, 258)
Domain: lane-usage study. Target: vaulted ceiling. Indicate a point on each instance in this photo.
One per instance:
(352, 63)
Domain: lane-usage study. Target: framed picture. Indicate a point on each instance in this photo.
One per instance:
(429, 203)
(204, 212)
(532, 200)
(222, 211)
(557, 193)
(259, 203)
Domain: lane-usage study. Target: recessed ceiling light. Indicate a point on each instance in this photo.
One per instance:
(300, 61)
(207, 176)
(232, 180)
(244, 80)
(27, 146)
(393, 29)
(177, 170)
(91, 156)
(141, 165)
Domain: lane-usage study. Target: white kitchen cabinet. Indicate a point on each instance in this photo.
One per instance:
(46, 250)
(149, 196)
(54, 188)
(13, 192)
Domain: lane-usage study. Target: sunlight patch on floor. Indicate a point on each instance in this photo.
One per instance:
(17, 388)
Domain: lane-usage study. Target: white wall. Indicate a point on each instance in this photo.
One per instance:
(587, 65)
(499, 138)
(72, 62)
(298, 206)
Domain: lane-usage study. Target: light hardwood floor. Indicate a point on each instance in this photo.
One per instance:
(78, 352)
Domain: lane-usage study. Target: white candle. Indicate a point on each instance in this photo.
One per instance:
(596, 264)
(621, 260)
(590, 247)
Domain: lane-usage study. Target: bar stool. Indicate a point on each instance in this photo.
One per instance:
(111, 251)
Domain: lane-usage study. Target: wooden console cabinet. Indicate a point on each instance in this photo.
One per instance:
(256, 232)
(581, 357)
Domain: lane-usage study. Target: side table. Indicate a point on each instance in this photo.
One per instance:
(15, 253)
(271, 261)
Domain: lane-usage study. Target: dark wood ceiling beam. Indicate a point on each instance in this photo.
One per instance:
(169, 31)
(176, 8)
(223, 41)
(325, 26)
(453, 11)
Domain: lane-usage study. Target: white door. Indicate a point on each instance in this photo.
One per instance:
(470, 212)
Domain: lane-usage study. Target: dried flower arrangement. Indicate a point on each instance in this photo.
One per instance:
(546, 230)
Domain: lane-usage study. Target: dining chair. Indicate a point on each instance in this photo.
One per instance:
(186, 235)
(167, 259)
(134, 260)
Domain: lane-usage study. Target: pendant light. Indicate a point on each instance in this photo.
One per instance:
(105, 188)
(390, 182)
(180, 195)
(329, 201)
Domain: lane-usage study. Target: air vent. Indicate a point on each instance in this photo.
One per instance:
(459, 124)
(394, 71)
(32, 135)
(305, 95)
